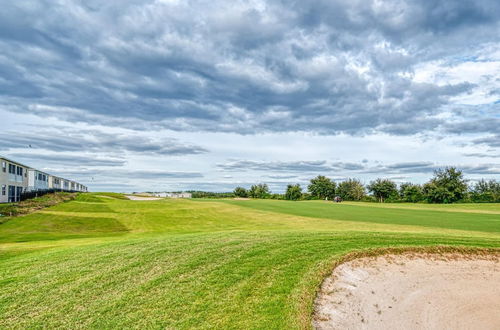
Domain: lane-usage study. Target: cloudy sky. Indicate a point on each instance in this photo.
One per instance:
(173, 95)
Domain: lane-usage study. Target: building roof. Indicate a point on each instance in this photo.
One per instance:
(13, 161)
(34, 169)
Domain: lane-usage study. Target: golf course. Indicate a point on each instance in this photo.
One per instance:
(103, 261)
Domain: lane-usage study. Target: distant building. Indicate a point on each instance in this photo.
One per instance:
(16, 179)
(173, 194)
(37, 180)
(13, 180)
(55, 182)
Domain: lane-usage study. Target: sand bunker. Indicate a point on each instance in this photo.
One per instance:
(412, 291)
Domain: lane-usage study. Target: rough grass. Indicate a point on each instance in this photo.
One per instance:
(201, 264)
(9, 210)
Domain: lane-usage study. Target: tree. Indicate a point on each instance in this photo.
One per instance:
(382, 189)
(260, 190)
(322, 187)
(240, 192)
(351, 190)
(436, 194)
(293, 192)
(410, 192)
(447, 186)
(486, 191)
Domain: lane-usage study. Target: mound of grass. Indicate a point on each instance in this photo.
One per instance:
(40, 226)
(182, 264)
(90, 198)
(112, 195)
(35, 204)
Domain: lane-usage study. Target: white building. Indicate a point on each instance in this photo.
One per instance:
(16, 178)
(13, 180)
(37, 180)
(55, 182)
(173, 194)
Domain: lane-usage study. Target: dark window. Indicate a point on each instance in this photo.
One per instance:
(40, 176)
(12, 169)
(12, 194)
(44, 178)
(19, 170)
(19, 191)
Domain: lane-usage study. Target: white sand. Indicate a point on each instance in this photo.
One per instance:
(412, 291)
(142, 198)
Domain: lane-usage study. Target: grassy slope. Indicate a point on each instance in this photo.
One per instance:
(398, 214)
(183, 264)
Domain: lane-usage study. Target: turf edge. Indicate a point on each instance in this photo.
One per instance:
(306, 301)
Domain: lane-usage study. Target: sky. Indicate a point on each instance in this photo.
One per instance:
(169, 95)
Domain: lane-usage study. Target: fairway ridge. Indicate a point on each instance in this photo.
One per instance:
(100, 262)
(412, 291)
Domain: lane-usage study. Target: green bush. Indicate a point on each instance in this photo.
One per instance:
(293, 192)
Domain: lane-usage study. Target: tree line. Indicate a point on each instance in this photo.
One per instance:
(446, 186)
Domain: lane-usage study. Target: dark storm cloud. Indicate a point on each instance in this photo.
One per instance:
(282, 177)
(429, 167)
(65, 140)
(485, 125)
(66, 160)
(483, 169)
(492, 141)
(482, 155)
(407, 167)
(341, 168)
(291, 166)
(106, 175)
(323, 66)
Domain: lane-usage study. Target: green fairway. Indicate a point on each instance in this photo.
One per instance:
(103, 262)
(484, 218)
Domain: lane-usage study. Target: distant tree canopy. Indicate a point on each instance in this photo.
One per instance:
(240, 192)
(383, 189)
(260, 190)
(209, 194)
(486, 191)
(322, 187)
(410, 192)
(351, 190)
(447, 186)
(293, 192)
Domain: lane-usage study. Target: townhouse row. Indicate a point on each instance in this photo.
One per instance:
(16, 179)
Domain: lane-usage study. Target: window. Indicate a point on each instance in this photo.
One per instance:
(4, 190)
(4, 167)
(39, 176)
(20, 171)
(12, 193)
(19, 191)
(12, 169)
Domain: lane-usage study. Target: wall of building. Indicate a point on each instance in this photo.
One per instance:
(173, 195)
(16, 178)
(55, 182)
(13, 180)
(37, 180)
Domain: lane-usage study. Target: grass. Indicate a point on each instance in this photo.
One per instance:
(104, 262)
(9, 210)
(398, 214)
